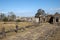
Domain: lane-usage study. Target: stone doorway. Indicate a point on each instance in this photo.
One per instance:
(57, 19)
(51, 20)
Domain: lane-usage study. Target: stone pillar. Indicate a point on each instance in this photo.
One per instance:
(46, 19)
(59, 19)
(39, 19)
(54, 20)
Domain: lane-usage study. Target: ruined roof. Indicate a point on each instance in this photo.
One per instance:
(57, 15)
(49, 15)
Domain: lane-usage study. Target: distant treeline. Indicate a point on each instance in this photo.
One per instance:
(12, 17)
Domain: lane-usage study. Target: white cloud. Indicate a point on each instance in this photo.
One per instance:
(54, 9)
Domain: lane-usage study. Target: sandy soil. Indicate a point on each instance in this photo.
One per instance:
(44, 31)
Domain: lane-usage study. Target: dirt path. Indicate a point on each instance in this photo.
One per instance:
(42, 32)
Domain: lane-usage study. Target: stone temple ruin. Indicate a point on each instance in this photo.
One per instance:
(49, 18)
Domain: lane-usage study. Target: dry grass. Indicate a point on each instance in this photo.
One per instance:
(12, 25)
(36, 33)
(55, 36)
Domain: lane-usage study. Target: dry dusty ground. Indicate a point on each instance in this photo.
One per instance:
(44, 31)
(12, 25)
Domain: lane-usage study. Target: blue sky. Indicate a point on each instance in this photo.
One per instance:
(29, 7)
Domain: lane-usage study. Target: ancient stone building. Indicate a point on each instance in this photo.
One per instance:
(53, 18)
(49, 18)
(41, 18)
(57, 17)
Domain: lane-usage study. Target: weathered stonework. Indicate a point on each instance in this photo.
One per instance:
(49, 18)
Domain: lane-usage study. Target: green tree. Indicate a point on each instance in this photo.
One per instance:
(18, 20)
(11, 16)
(56, 13)
(2, 16)
(5, 19)
(40, 12)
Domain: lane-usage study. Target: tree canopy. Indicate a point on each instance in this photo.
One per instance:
(40, 12)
